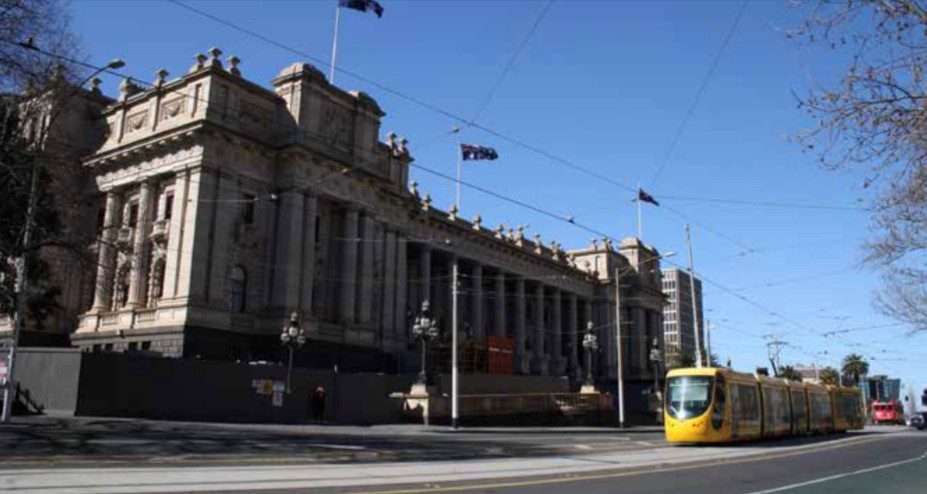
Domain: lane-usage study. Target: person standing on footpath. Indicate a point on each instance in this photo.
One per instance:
(317, 403)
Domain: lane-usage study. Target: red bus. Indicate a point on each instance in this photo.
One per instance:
(887, 412)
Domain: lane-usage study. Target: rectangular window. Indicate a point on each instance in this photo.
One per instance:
(108, 347)
(247, 209)
(97, 347)
(146, 345)
(101, 218)
(133, 346)
(168, 206)
(133, 215)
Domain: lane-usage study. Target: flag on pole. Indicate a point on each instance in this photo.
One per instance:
(645, 197)
(469, 152)
(363, 6)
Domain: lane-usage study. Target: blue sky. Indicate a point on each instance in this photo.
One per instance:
(605, 85)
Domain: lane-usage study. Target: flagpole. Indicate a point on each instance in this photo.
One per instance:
(640, 228)
(331, 71)
(456, 130)
(458, 174)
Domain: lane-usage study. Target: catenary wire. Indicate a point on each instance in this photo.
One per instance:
(698, 95)
(529, 206)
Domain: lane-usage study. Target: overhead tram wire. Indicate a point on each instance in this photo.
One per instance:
(451, 115)
(771, 204)
(699, 93)
(581, 226)
(536, 209)
(508, 66)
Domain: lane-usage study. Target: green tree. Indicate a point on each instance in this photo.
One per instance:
(687, 361)
(855, 366)
(872, 119)
(789, 372)
(829, 375)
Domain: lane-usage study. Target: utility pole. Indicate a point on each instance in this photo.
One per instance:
(454, 372)
(708, 342)
(618, 345)
(773, 348)
(695, 321)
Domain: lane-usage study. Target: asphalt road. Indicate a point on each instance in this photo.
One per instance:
(145, 456)
(100, 442)
(882, 463)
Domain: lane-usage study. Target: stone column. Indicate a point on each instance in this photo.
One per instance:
(103, 294)
(307, 279)
(389, 283)
(289, 251)
(476, 302)
(499, 319)
(539, 364)
(573, 332)
(138, 276)
(176, 233)
(637, 341)
(402, 286)
(198, 234)
(347, 301)
(556, 341)
(218, 257)
(365, 305)
(521, 358)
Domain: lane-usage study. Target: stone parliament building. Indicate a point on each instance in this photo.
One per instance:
(224, 206)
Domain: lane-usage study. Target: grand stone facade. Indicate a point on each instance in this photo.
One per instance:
(225, 206)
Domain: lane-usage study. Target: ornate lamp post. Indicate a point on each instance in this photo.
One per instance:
(590, 344)
(424, 328)
(292, 337)
(656, 357)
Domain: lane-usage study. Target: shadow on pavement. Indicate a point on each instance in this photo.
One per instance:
(103, 442)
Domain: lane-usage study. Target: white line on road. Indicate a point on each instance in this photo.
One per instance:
(337, 446)
(842, 475)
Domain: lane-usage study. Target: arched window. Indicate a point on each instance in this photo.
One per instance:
(238, 281)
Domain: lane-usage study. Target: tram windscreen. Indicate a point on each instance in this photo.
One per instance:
(688, 396)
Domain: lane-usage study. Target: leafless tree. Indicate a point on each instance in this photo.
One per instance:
(37, 85)
(874, 119)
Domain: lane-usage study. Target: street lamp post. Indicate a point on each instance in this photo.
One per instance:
(590, 345)
(655, 358)
(22, 266)
(425, 329)
(292, 337)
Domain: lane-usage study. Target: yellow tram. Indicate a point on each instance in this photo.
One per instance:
(716, 405)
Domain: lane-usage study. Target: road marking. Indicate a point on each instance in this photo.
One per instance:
(842, 475)
(337, 446)
(628, 473)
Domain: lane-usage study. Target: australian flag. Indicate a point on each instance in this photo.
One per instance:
(470, 152)
(643, 196)
(363, 6)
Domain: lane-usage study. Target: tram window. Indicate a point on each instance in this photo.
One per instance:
(717, 413)
(751, 409)
(688, 396)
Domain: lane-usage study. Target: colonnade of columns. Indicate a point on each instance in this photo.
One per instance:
(373, 275)
(124, 268)
(544, 322)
